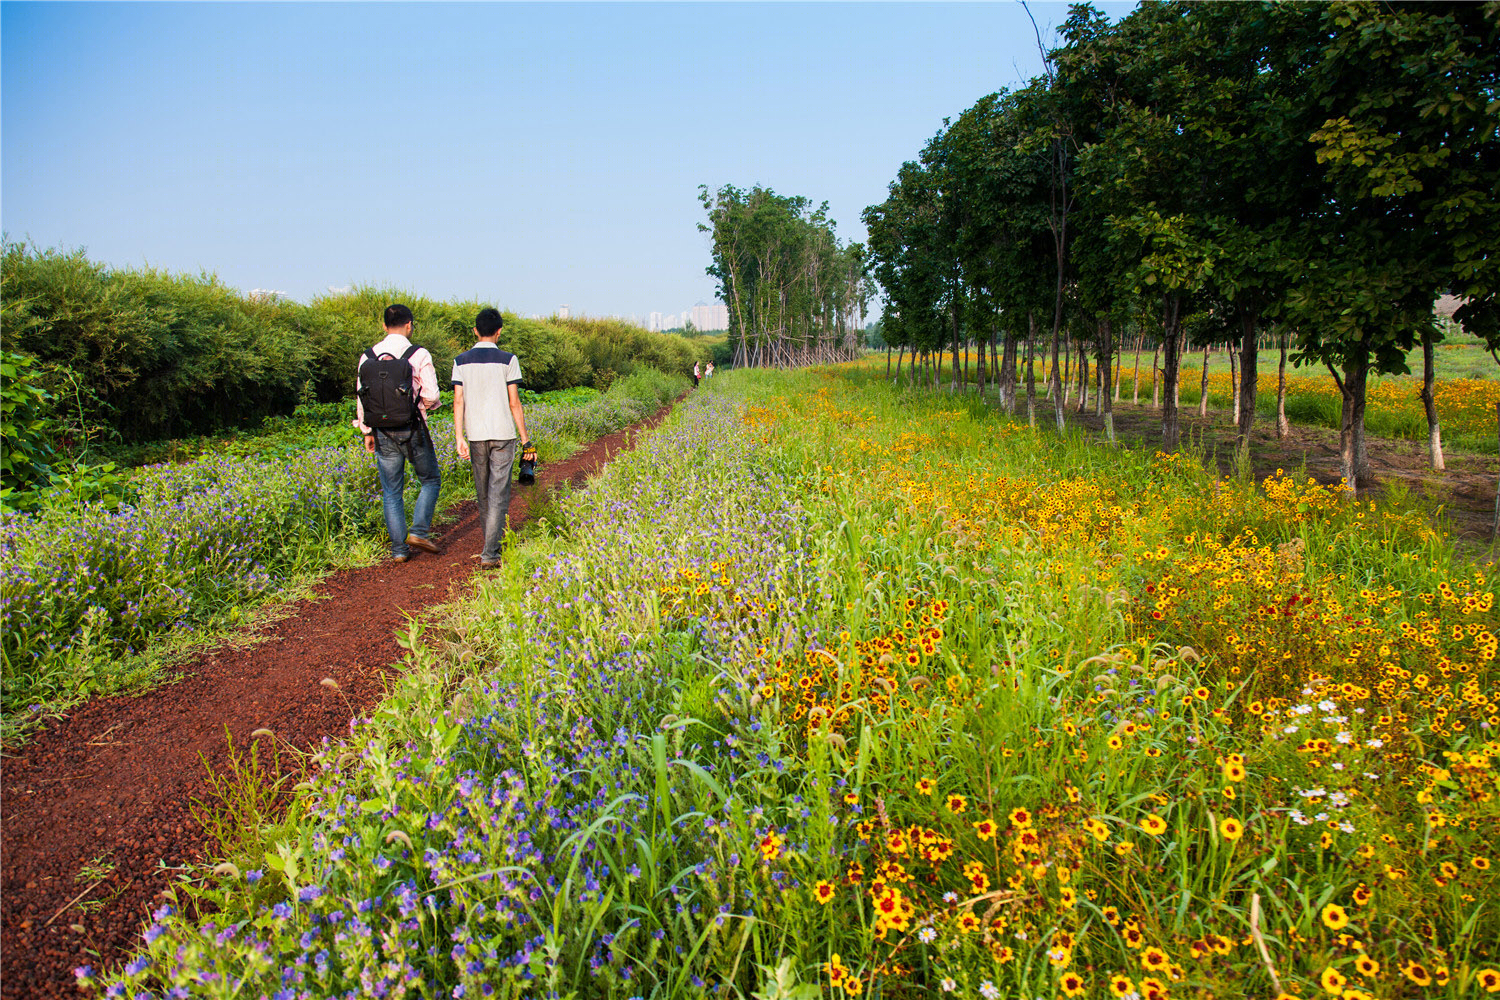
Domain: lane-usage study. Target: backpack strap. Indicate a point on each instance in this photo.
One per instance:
(370, 353)
(406, 355)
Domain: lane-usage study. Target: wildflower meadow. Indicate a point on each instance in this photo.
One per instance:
(87, 588)
(830, 688)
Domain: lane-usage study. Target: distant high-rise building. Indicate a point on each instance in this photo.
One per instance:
(562, 312)
(714, 317)
(653, 323)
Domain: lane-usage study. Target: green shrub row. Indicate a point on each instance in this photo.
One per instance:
(161, 355)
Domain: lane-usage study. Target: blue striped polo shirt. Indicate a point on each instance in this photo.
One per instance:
(486, 373)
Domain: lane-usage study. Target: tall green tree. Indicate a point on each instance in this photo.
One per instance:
(1406, 123)
(796, 293)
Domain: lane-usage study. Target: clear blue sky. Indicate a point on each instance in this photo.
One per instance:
(526, 155)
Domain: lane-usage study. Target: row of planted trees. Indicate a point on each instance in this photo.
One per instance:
(1309, 175)
(796, 293)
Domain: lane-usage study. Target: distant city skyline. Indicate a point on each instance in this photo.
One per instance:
(506, 152)
(704, 316)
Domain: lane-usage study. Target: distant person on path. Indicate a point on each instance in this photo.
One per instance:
(709, 372)
(487, 419)
(695, 374)
(395, 385)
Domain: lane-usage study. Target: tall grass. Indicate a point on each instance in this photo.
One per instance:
(831, 687)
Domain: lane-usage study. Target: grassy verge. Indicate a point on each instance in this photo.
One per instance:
(826, 687)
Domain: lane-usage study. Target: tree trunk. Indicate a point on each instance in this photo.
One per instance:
(1234, 382)
(900, 353)
(1283, 426)
(979, 366)
(1135, 394)
(1008, 373)
(957, 373)
(1247, 387)
(1054, 382)
(1171, 374)
(1083, 381)
(887, 361)
(1203, 387)
(1434, 432)
(1176, 383)
(1067, 375)
(995, 359)
(1354, 463)
(1117, 363)
(1106, 357)
(1155, 375)
(1031, 370)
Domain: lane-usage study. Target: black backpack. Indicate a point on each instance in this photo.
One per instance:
(385, 390)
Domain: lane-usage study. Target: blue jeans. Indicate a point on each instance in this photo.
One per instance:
(393, 449)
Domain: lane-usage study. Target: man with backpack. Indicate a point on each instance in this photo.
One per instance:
(487, 421)
(395, 385)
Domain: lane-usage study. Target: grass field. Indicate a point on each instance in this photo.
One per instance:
(830, 689)
(1467, 390)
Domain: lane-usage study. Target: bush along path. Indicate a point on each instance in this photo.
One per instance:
(97, 809)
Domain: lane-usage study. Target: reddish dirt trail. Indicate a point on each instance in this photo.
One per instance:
(111, 783)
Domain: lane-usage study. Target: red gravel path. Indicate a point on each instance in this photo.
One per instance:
(113, 780)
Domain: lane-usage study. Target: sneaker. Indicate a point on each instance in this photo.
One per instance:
(425, 544)
(489, 564)
(400, 559)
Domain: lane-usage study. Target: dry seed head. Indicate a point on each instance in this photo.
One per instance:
(76, 928)
(395, 835)
(257, 734)
(227, 868)
(329, 683)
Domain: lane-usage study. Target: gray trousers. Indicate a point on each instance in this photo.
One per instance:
(492, 461)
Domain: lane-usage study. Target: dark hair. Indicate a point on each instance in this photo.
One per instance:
(396, 316)
(488, 322)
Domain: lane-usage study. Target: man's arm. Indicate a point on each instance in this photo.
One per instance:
(460, 442)
(516, 413)
(359, 412)
(426, 378)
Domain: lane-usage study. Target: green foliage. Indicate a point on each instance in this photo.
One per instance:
(26, 453)
(163, 352)
(140, 355)
(612, 345)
